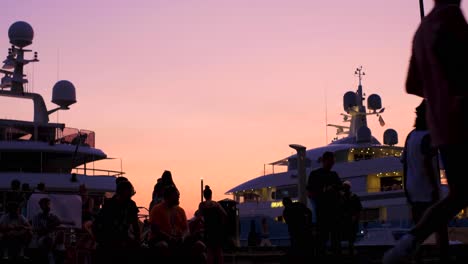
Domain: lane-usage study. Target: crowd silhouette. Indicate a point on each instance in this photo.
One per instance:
(112, 230)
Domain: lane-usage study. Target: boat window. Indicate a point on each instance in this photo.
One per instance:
(286, 191)
(369, 214)
(251, 196)
(9, 133)
(292, 163)
(391, 183)
(341, 155)
(357, 154)
(385, 181)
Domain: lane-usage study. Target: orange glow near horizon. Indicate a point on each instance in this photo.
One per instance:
(214, 89)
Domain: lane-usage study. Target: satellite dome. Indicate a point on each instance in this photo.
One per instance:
(63, 94)
(21, 34)
(349, 100)
(390, 137)
(374, 102)
(363, 135)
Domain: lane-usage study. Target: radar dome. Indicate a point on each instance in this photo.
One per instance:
(374, 102)
(349, 100)
(63, 94)
(21, 34)
(363, 135)
(390, 137)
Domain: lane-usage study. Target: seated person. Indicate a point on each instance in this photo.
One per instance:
(196, 226)
(45, 226)
(15, 231)
(169, 229)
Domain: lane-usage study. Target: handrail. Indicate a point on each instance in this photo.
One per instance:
(114, 173)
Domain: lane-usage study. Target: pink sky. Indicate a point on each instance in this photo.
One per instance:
(214, 88)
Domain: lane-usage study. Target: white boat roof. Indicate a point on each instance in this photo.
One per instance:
(59, 181)
(344, 170)
(273, 180)
(345, 143)
(37, 146)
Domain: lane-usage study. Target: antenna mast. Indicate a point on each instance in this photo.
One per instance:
(360, 73)
(421, 8)
(326, 117)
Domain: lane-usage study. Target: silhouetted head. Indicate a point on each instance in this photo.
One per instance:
(328, 160)
(125, 190)
(15, 185)
(171, 195)
(41, 186)
(207, 193)
(167, 177)
(287, 201)
(347, 186)
(44, 203)
(120, 179)
(421, 123)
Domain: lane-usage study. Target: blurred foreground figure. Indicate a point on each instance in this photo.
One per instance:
(438, 72)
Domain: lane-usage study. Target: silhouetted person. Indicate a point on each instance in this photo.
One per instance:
(170, 230)
(87, 213)
(26, 193)
(422, 177)
(14, 195)
(197, 226)
(265, 234)
(26, 189)
(120, 179)
(438, 72)
(323, 188)
(352, 208)
(161, 184)
(298, 217)
(45, 225)
(118, 216)
(15, 231)
(40, 187)
(156, 196)
(215, 219)
(252, 238)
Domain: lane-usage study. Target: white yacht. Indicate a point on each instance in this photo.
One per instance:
(40, 151)
(374, 169)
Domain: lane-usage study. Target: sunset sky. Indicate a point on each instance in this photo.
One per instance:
(214, 89)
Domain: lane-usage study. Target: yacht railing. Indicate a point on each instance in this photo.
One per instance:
(86, 171)
(11, 130)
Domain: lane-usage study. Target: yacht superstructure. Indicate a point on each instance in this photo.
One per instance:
(373, 168)
(40, 151)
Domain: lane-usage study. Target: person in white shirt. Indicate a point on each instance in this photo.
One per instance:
(422, 177)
